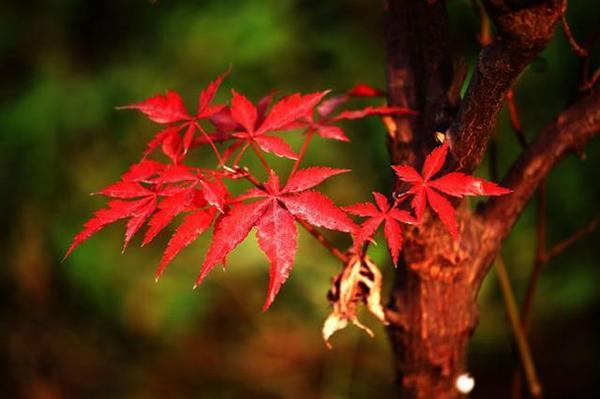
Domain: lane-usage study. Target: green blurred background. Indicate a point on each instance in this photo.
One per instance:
(97, 325)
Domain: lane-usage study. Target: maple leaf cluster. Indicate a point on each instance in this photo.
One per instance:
(154, 193)
(423, 189)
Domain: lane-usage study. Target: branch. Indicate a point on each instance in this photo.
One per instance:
(515, 120)
(524, 28)
(575, 47)
(566, 243)
(570, 131)
(538, 262)
(540, 247)
(589, 85)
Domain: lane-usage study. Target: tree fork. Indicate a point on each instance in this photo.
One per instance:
(433, 308)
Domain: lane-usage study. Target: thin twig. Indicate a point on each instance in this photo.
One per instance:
(589, 85)
(542, 256)
(575, 47)
(520, 337)
(245, 173)
(458, 80)
(566, 243)
(518, 130)
(540, 241)
(539, 257)
(520, 330)
(515, 120)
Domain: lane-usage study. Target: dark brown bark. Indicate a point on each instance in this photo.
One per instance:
(419, 70)
(524, 28)
(433, 308)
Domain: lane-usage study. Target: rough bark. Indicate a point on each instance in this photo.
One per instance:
(433, 309)
(419, 70)
(524, 28)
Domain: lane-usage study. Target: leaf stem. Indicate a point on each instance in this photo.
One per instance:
(212, 144)
(237, 159)
(309, 134)
(260, 156)
(398, 199)
(324, 241)
(245, 173)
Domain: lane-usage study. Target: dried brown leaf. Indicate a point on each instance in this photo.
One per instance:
(359, 282)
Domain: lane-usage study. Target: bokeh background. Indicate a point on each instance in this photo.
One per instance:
(99, 326)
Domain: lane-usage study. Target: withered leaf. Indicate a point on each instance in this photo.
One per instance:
(359, 282)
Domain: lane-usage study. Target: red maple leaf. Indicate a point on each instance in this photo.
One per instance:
(426, 190)
(225, 126)
(325, 124)
(182, 188)
(154, 193)
(274, 216)
(143, 171)
(201, 193)
(141, 205)
(283, 114)
(192, 226)
(170, 207)
(390, 216)
(170, 109)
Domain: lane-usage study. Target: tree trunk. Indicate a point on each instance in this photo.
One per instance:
(433, 309)
(430, 336)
